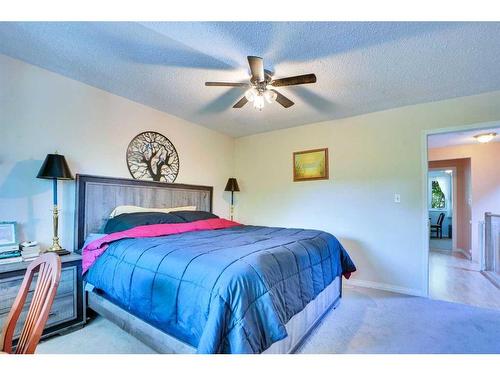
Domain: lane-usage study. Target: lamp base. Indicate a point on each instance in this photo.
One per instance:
(56, 247)
(57, 251)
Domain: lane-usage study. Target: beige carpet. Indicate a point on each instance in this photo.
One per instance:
(367, 321)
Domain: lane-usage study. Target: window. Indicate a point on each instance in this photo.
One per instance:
(438, 198)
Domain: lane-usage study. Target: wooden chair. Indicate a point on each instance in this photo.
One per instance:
(48, 267)
(438, 227)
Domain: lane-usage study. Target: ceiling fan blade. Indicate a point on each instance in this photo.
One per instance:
(241, 103)
(230, 84)
(257, 68)
(295, 80)
(283, 100)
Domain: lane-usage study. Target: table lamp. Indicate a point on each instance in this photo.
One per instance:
(55, 168)
(232, 186)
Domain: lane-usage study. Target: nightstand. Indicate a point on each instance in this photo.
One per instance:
(68, 309)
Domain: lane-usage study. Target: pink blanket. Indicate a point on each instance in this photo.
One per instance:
(94, 249)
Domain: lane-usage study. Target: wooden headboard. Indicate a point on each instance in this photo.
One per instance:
(97, 196)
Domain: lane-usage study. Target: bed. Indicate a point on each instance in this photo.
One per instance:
(236, 289)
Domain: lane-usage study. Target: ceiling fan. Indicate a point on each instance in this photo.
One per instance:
(261, 86)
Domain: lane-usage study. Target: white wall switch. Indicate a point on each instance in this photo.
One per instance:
(397, 198)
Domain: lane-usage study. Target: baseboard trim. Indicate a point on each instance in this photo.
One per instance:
(386, 287)
(463, 252)
(492, 278)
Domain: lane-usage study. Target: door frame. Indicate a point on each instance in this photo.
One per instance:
(425, 163)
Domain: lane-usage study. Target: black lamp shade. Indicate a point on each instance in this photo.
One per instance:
(55, 167)
(232, 185)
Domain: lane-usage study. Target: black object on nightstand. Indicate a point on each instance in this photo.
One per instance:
(68, 310)
(55, 168)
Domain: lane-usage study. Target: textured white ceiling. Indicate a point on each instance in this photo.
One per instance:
(460, 138)
(361, 67)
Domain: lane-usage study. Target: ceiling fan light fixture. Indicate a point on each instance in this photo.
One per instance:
(270, 96)
(251, 94)
(258, 102)
(260, 89)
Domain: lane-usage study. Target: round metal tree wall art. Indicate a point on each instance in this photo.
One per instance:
(151, 156)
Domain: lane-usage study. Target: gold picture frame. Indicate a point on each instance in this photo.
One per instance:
(310, 165)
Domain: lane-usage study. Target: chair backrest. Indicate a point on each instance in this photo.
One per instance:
(440, 219)
(49, 273)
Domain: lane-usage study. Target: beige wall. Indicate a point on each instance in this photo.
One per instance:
(463, 193)
(372, 157)
(41, 112)
(485, 181)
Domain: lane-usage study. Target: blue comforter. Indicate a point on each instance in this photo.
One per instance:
(221, 291)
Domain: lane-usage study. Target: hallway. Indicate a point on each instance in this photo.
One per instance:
(441, 244)
(454, 278)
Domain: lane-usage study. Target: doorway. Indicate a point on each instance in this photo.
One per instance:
(456, 175)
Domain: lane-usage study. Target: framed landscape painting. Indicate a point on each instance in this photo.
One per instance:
(310, 165)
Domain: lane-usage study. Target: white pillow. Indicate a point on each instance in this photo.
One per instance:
(131, 209)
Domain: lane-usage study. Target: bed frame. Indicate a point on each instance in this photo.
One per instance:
(98, 196)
